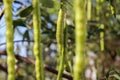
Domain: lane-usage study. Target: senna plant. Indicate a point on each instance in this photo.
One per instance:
(9, 39)
(37, 47)
(80, 38)
(61, 38)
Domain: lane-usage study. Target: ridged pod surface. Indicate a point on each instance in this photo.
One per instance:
(60, 37)
(9, 39)
(80, 38)
(37, 47)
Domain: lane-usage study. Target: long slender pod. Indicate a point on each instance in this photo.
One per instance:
(99, 8)
(65, 60)
(60, 36)
(102, 37)
(9, 39)
(80, 38)
(37, 47)
(102, 44)
(89, 9)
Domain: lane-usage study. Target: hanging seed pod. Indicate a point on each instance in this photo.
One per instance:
(61, 37)
(80, 38)
(89, 9)
(102, 37)
(37, 47)
(9, 39)
(99, 8)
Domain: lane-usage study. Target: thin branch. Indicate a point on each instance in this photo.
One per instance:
(30, 61)
(1, 14)
(17, 41)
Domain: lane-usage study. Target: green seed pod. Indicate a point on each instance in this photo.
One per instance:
(37, 47)
(80, 38)
(99, 8)
(102, 38)
(89, 9)
(9, 39)
(61, 38)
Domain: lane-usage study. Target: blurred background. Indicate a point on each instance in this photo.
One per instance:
(103, 26)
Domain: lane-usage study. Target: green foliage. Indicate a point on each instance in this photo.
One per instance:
(112, 74)
(23, 12)
(19, 22)
(26, 35)
(1, 0)
(48, 4)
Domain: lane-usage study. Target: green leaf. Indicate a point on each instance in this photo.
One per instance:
(19, 22)
(25, 11)
(26, 35)
(48, 4)
(117, 76)
(1, 0)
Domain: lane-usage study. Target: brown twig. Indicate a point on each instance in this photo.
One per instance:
(30, 61)
(17, 41)
(1, 14)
